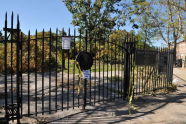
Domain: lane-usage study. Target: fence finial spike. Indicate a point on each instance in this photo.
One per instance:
(62, 31)
(18, 24)
(56, 31)
(17, 17)
(6, 16)
(12, 14)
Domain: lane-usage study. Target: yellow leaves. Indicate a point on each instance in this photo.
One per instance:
(145, 3)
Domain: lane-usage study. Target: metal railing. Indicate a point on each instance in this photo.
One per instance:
(39, 77)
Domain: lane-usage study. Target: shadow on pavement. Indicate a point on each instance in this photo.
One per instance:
(115, 112)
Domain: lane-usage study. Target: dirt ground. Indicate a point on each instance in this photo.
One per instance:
(160, 109)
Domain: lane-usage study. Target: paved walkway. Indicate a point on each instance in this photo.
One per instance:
(161, 109)
(180, 72)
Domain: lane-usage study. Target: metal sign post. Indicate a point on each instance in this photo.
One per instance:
(85, 62)
(129, 50)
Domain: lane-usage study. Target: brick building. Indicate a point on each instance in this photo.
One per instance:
(181, 50)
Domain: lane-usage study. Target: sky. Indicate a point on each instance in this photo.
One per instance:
(37, 14)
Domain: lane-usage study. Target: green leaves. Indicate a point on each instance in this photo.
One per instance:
(98, 16)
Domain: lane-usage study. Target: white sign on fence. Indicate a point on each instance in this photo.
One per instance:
(86, 74)
(66, 43)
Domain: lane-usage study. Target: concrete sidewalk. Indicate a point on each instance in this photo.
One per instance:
(160, 109)
(180, 72)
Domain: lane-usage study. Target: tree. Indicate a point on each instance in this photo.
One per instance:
(130, 11)
(98, 16)
(136, 12)
(147, 28)
(170, 21)
(167, 17)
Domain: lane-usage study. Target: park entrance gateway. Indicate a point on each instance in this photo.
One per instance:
(40, 75)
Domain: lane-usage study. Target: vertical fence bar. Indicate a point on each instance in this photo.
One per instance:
(43, 61)
(56, 72)
(168, 63)
(145, 77)
(5, 67)
(21, 69)
(74, 66)
(90, 82)
(164, 82)
(133, 63)
(136, 66)
(160, 71)
(62, 76)
(95, 72)
(130, 64)
(156, 68)
(99, 92)
(118, 70)
(11, 62)
(36, 53)
(107, 71)
(79, 51)
(166, 75)
(127, 70)
(172, 64)
(162, 79)
(68, 83)
(17, 68)
(85, 80)
(111, 59)
(103, 76)
(142, 79)
(123, 68)
(28, 71)
(86, 40)
(158, 77)
(115, 80)
(50, 55)
(137, 78)
(169, 66)
(153, 73)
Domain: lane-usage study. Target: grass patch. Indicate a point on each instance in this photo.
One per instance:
(99, 67)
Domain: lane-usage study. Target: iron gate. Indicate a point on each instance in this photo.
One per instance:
(39, 77)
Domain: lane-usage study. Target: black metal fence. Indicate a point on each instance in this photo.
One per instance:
(38, 77)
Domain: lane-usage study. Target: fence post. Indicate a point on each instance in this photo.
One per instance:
(126, 70)
(85, 80)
